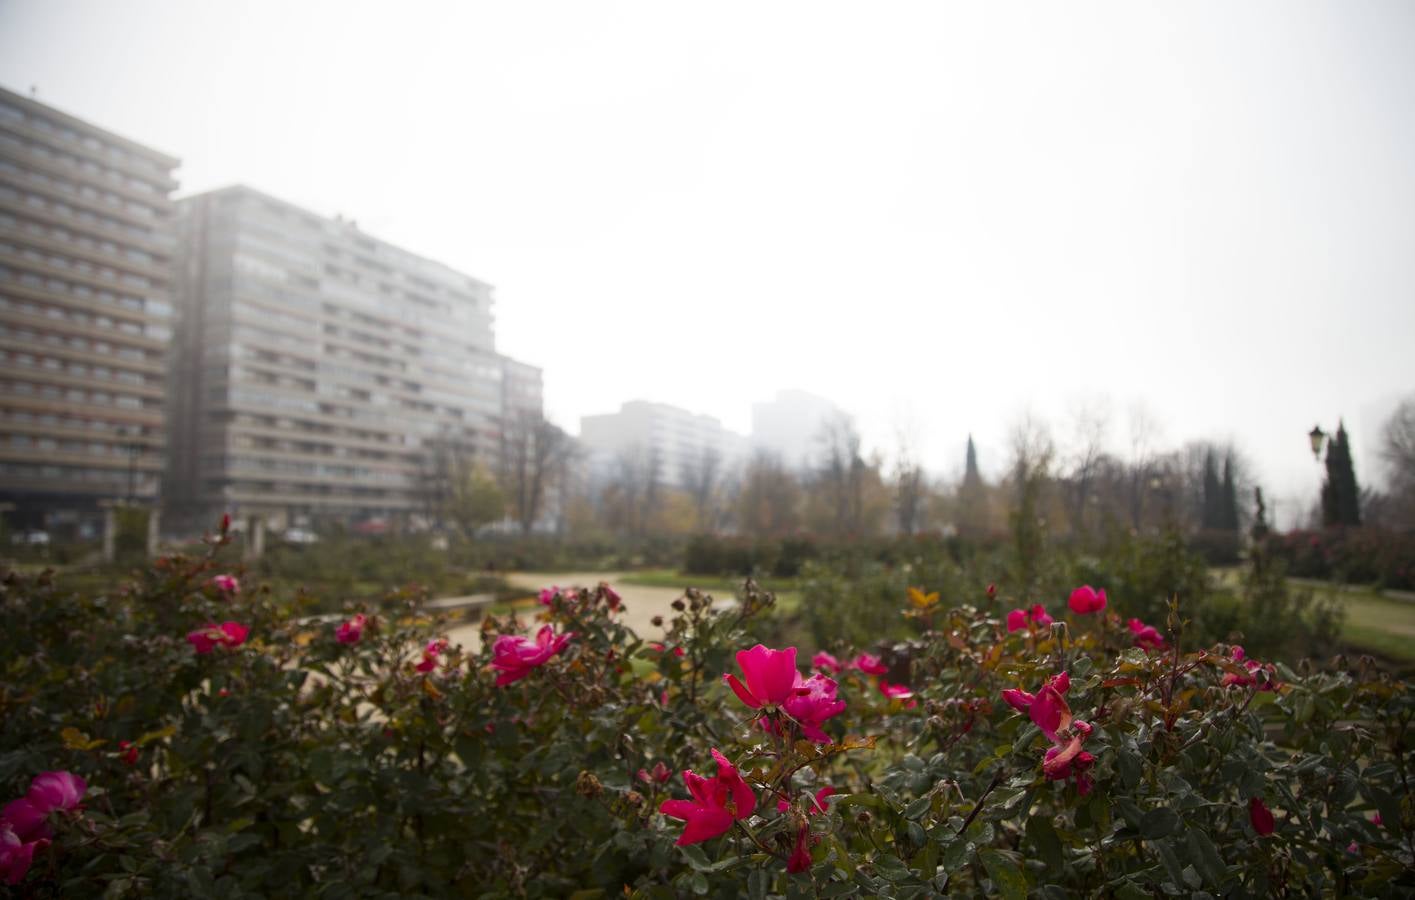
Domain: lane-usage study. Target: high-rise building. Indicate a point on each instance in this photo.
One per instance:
(791, 426)
(85, 314)
(671, 442)
(322, 371)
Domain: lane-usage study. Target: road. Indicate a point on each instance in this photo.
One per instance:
(641, 603)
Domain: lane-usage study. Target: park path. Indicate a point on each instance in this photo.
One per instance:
(641, 603)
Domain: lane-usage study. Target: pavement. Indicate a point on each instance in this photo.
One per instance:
(641, 603)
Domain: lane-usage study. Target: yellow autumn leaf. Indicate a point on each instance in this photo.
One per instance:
(431, 689)
(157, 735)
(77, 740)
(852, 742)
(920, 600)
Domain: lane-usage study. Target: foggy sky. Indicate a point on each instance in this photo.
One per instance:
(940, 216)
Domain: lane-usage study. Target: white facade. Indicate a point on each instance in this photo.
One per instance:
(790, 426)
(319, 367)
(673, 440)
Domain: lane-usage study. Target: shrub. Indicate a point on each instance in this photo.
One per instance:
(308, 758)
(1373, 556)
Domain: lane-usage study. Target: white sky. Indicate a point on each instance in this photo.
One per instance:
(937, 215)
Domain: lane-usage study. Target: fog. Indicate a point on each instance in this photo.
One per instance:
(939, 216)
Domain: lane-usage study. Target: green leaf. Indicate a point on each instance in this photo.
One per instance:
(1007, 878)
(1206, 857)
(956, 854)
(891, 867)
(871, 800)
(1043, 837)
(1158, 823)
(1127, 763)
(1171, 862)
(1132, 891)
(918, 807)
(756, 884)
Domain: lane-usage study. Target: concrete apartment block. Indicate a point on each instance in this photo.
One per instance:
(673, 440)
(318, 367)
(86, 310)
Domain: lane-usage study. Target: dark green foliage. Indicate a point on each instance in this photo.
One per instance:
(1366, 555)
(1229, 508)
(852, 598)
(1341, 497)
(971, 475)
(1212, 518)
(296, 766)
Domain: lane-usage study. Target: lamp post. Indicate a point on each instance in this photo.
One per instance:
(1318, 438)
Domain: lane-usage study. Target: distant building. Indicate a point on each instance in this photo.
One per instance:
(673, 441)
(790, 426)
(85, 315)
(320, 369)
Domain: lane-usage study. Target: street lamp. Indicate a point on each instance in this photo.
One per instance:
(1317, 437)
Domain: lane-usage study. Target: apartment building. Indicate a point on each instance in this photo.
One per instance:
(673, 442)
(86, 311)
(790, 426)
(320, 370)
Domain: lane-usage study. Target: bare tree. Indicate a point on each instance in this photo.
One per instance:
(442, 468)
(476, 499)
(1032, 455)
(768, 503)
(1398, 445)
(841, 474)
(532, 448)
(634, 491)
(1397, 508)
(1089, 424)
(1142, 464)
(702, 474)
(910, 487)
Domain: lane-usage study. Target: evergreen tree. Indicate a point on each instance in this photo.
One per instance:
(972, 515)
(1341, 497)
(1212, 518)
(970, 471)
(1260, 519)
(1229, 500)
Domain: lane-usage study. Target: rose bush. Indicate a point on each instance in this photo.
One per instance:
(367, 755)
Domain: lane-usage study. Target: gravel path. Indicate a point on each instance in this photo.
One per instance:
(641, 603)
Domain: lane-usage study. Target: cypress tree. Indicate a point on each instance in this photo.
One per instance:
(1341, 496)
(972, 498)
(1229, 501)
(970, 471)
(1212, 518)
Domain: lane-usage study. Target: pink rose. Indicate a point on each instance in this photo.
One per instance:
(1086, 599)
(352, 631)
(210, 636)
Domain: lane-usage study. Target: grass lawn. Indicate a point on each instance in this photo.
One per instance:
(1379, 624)
(1384, 626)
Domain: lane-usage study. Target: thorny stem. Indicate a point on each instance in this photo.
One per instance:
(756, 840)
(978, 807)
